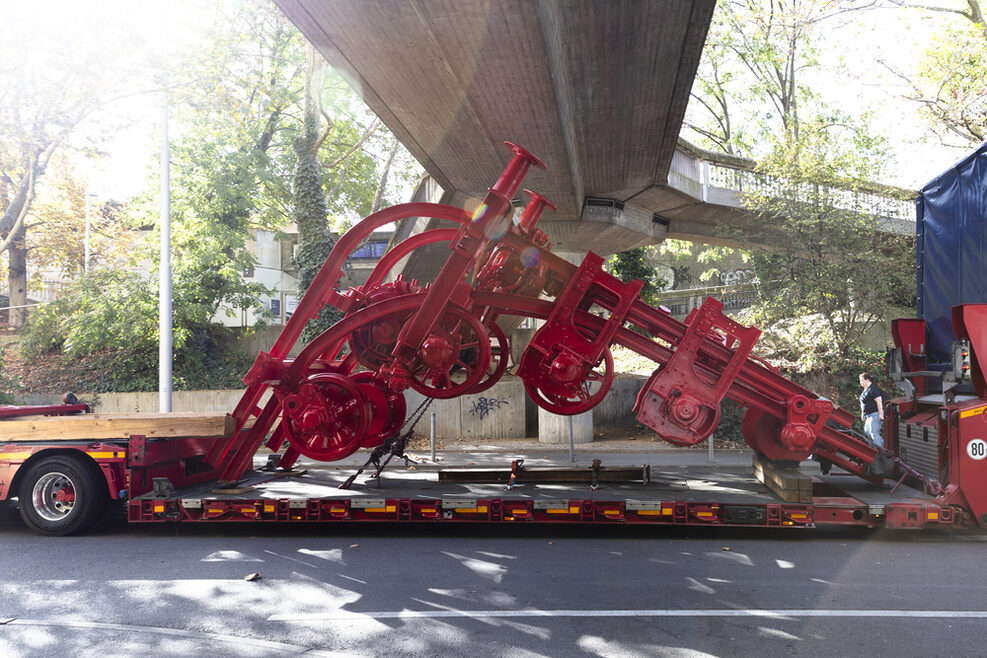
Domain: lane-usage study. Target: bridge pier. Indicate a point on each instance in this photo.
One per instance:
(554, 429)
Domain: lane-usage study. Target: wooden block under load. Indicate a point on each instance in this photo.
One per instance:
(115, 427)
(783, 479)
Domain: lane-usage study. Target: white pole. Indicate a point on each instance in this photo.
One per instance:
(572, 444)
(164, 272)
(86, 265)
(432, 437)
(164, 284)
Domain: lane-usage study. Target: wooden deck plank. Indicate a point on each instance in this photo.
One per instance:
(114, 426)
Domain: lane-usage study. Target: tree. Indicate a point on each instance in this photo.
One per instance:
(749, 86)
(831, 263)
(56, 72)
(950, 83)
(633, 265)
(829, 273)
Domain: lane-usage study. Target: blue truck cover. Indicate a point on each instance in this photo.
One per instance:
(951, 247)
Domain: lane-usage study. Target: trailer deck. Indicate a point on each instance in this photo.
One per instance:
(691, 495)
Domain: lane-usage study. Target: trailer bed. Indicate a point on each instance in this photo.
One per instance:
(692, 495)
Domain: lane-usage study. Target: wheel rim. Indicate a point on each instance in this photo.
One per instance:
(46, 499)
(469, 347)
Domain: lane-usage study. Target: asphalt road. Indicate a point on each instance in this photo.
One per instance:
(489, 591)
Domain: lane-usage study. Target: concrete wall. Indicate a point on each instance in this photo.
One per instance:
(504, 411)
(615, 411)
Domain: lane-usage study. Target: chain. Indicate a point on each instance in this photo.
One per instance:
(392, 447)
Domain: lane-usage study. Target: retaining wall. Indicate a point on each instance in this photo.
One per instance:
(504, 411)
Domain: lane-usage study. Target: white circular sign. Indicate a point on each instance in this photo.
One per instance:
(977, 449)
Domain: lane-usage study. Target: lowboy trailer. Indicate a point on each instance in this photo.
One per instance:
(344, 391)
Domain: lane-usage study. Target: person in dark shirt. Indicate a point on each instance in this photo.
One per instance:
(872, 408)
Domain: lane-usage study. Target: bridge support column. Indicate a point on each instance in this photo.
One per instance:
(554, 429)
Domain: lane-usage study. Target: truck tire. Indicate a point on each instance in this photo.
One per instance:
(61, 495)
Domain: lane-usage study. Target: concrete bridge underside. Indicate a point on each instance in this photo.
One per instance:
(598, 90)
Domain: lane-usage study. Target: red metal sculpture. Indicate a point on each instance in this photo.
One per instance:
(344, 390)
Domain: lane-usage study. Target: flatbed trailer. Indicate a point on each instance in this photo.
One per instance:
(345, 391)
(64, 486)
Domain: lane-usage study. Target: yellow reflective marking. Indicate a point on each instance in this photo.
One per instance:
(158, 509)
(214, 510)
(611, 512)
(389, 508)
(427, 510)
(933, 516)
(667, 510)
(268, 508)
(248, 510)
(563, 510)
(14, 455)
(799, 516)
(704, 514)
(652, 512)
(471, 510)
(106, 455)
(337, 510)
(973, 412)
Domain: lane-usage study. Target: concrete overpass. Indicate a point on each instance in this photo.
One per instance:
(597, 90)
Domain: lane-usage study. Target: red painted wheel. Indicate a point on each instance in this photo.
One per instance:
(562, 390)
(373, 342)
(500, 356)
(454, 357)
(762, 432)
(327, 417)
(387, 409)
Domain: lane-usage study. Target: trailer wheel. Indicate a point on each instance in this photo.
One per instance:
(61, 495)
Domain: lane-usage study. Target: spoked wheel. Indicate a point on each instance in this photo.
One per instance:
(373, 343)
(500, 356)
(327, 417)
(565, 391)
(387, 409)
(454, 357)
(61, 495)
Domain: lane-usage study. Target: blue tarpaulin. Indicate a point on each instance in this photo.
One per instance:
(951, 247)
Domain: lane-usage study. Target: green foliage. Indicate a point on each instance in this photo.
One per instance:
(633, 265)
(826, 260)
(951, 82)
(311, 216)
(7, 385)
(105, 326)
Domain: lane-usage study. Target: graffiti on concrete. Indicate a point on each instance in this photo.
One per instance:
(483, 406)
(736, 277)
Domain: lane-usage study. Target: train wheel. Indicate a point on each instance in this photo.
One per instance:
(327, 418)
(454, 357)
(762, 432)
(500, 356)
(569, 399)
(387, 409)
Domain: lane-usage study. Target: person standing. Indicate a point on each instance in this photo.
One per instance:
(872, 408)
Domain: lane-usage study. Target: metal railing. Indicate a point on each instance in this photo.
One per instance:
(738, 175)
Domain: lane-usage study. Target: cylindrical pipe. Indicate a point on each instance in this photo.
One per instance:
(164, 272)
(432, 437)
(709, 441)
(572, 444)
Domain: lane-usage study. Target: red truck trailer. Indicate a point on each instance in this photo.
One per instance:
(344, 391)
